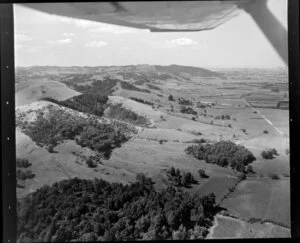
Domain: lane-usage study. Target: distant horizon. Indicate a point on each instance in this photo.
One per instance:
(47, 40)
(203, 67)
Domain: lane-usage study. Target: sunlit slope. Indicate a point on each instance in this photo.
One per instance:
(34, 90)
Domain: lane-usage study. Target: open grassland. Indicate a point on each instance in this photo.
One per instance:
(261, 198)
(218, 185)
(68, 161)
(34, 90)
(226, 227)
(154, 159)
(136, 156)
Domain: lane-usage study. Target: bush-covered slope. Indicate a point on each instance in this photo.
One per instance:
(56, 124)
(117, 111)
(91, 103)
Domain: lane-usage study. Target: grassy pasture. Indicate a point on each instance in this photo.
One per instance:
(280, 118)
(68, 161)
(218, 185)
(227, 227)
(262, 198)
(279, 165)
(136, 156)
(33, 90)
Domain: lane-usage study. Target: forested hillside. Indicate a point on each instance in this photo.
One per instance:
(90, 210)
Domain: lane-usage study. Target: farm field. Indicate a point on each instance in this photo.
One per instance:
(261, 198)
(229, 228)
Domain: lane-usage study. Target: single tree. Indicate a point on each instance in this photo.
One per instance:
(202, 173)
(171, 98)
(250, 169)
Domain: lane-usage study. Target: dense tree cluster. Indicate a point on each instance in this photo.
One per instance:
(49, 130)
(269, 154)
(141, 101)
(121, 113)
(90, 163)
(22, 163)
(93, 160)
(88, 102)
(96, 210)
(100, 137)
(223, 153)
(183, 101)
(188, 110)
(178, 178)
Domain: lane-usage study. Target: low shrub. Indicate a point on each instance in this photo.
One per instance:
(24, 175)
(188, 110)
(141, 101)
(202, 173)
(171, 98)
(91, 163)
(269, 154)
(273, 176)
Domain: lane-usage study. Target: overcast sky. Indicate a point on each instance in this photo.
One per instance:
(43, 39)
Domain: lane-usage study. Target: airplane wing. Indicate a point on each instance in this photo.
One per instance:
(155, 16)
(167, 16)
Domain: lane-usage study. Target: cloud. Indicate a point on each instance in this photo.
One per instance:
(60, 42)
(67, 20)
(181, 42)
(84, 23)
(114, 29)
(97, 27)
(96, 44)
(68, 34)
(22, 38)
